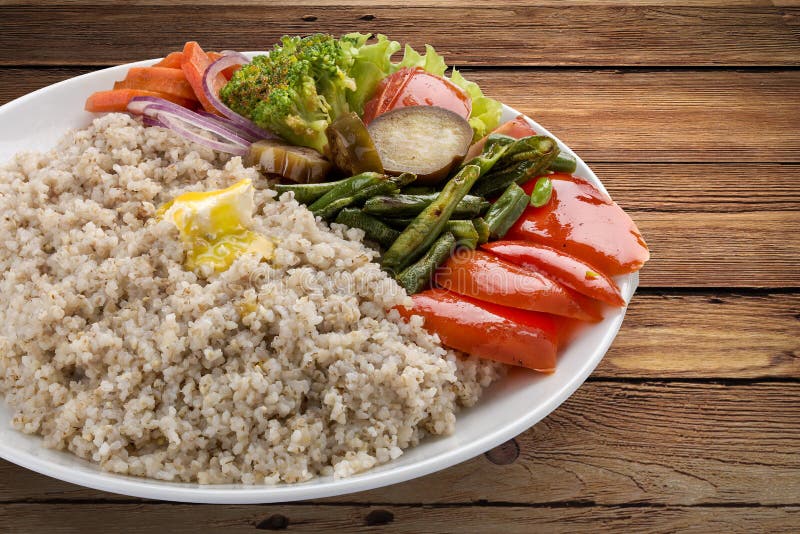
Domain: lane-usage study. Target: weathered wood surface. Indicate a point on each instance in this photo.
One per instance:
(612, 443)
(134, 518)
(621, 116)
(550, 35)
(688, 110)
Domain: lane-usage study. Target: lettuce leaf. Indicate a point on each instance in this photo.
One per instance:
(486, 112)
(432, 62)
(371, 64)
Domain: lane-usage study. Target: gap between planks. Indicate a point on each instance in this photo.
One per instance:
(641, 35)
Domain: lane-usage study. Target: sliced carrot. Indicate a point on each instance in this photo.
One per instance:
(161, 79)
(194, 64)
(228, 73)
(172, 61)
(117, 99)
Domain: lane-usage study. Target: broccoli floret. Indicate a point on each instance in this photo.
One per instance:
(296, 90)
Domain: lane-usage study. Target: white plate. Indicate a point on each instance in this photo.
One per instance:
(36, 121)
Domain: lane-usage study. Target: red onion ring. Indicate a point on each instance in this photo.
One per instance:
(226, 122)
(174, 124)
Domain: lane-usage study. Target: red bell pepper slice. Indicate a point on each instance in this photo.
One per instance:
(585, 223)
(517, 128)
(486, 277)
(507, 335)
(560, 266)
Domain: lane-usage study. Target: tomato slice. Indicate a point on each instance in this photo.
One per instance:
(416, 87)
(561, 267)
(507, 335)
(583, 222)
(486, 277)
(517, 128)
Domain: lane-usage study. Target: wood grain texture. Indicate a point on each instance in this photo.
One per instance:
(578, 35)
(664, 443)
(748, 249)
(713, 336)
(71, 518)
(621, 116)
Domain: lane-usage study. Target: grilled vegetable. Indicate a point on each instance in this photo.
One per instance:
(418, 275)
(399, 206)
(296, 163)
(374, 229)
(426, 227)
(349, 191)
(561, 267)
(307, 193)
(563, 163)
(425, 140)
(350, 146)
(496, 145)
(486, 277)
(464, 231)
(505, 212)
(542, 192)
(486, 330)
(482, 228)
(584, 222)
(522, 160)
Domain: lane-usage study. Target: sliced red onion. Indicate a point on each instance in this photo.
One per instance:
(158, 111)
(226, 122)
(229, 60)
(176, 125)
(151, 121)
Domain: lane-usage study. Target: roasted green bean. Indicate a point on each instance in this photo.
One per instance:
(418, 275)
(414, 241)
(506, 210)
(374, 229)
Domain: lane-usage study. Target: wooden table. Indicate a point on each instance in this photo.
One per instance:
(689, 111)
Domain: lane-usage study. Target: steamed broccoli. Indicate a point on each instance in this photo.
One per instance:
(295, 91)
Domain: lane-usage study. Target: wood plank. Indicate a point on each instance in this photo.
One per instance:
(667, 444)
(702, 188)
(69, 518)
(711, 336)
(622, 116)
(580, 35)
(690, 116)
(750, 249)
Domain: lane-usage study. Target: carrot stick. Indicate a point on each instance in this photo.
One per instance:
(160, 79)
(172, 61)
(194, 64)
(117, 99)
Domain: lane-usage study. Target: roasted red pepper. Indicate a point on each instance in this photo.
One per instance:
(561, 267)
(583, 222)
(506, 335)
(488, 278)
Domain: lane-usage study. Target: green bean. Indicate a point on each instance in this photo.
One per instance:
(373, 228)
(351, 191)
(496, 145)
(418, 275)
(563, 163)
(426, 227)
(402, 206)
(542, 191)
(397, 224)
(539, 152)
(482, 228)
(307, 193)
(464, 231)
(506, 210)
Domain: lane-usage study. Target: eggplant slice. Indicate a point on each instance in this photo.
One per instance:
(428, 141)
